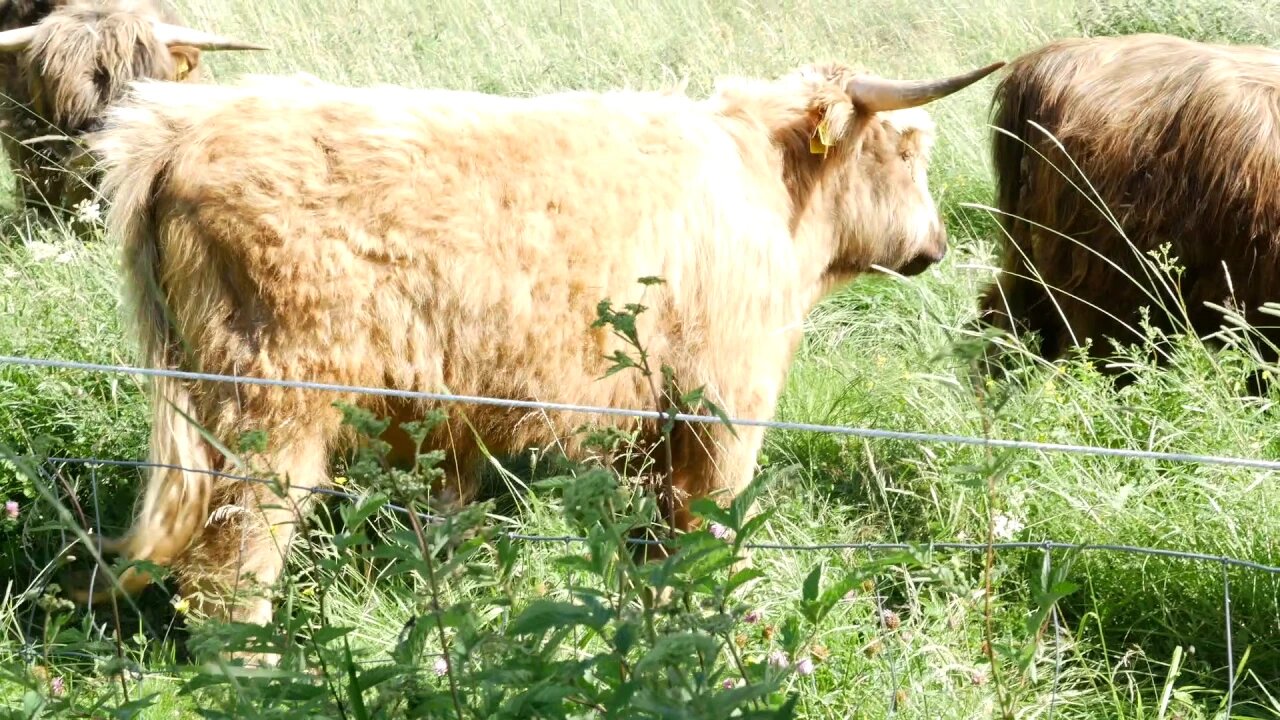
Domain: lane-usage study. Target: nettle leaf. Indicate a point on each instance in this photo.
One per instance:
(346, 541)
(508, 554)
(624, 323)
(134, 708)
(624, 638)
(326, 635)
(354, 693)
(788, 710)
(676, 649)
(604, 311)
(738, 698)
(742, 577)
(750, 528)
(377, 675)
(790, 634)
(31, 703)
(836, 592)
(721, 415)
(543, 615)
(570, 563)
(412, 639)
(809, 592)
(621, 361)
(708, 509)
(691, 398)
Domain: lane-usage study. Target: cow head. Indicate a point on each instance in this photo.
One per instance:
(856, 152)
(82, 55)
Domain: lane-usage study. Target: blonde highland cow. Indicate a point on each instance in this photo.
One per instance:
(442, 240)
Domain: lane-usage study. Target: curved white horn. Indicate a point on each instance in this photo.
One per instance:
(17, 39)
(877, 94)
(179, 35)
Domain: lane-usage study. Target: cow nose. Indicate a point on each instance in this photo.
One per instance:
(933, 253)
(917, 265)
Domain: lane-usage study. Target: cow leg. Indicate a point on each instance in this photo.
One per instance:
(1018, 306)
(713, 463)
(462, 463)
(708, 461)
(244, 547)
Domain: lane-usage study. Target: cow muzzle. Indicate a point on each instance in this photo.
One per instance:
(931, 254)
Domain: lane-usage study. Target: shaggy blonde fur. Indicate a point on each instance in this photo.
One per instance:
(84, 54)
(440, 240)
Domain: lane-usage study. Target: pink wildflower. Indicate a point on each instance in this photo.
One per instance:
(57, 687)
(719, 531)
(778, 659)
(11, 509)
(441, 667)
(804, 666)
(752, 617)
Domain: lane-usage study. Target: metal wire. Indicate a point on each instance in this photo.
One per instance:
(1046, 545)
(653, 414)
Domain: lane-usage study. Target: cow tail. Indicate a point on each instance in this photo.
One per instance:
(135, 150)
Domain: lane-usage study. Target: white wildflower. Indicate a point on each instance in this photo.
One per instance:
(88, 212)
(41, 250)
(1007, 527)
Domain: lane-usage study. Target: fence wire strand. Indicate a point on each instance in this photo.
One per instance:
(874, 433)
(973, 547)
(1045, 546)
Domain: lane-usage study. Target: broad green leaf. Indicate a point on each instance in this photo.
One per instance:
(809, 592)
(543, 615)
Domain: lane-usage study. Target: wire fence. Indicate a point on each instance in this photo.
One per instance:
(1046, 546)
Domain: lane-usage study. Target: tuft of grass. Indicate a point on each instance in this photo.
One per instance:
(1249, 22)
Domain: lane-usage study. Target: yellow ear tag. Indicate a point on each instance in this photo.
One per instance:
(821, 140)
(183, 67)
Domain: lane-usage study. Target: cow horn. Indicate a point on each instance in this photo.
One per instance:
(17, 39)
(878, 94)
(178, 35)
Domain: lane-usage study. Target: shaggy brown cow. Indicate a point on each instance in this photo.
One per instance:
(1169, 141)
(434, 239)
(62, 62)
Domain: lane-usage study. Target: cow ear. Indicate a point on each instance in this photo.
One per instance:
(830, 119)
(185, 61)
(916, 133)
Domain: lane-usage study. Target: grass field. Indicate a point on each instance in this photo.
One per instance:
(1140, 637)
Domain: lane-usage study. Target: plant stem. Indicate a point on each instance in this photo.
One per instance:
(990, 557)
(435, 607)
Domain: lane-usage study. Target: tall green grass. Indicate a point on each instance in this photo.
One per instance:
(877, 354)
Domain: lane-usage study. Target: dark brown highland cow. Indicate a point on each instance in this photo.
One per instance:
(1169, 140)
(62, 62)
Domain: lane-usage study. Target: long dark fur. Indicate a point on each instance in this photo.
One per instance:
(1181, 142)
